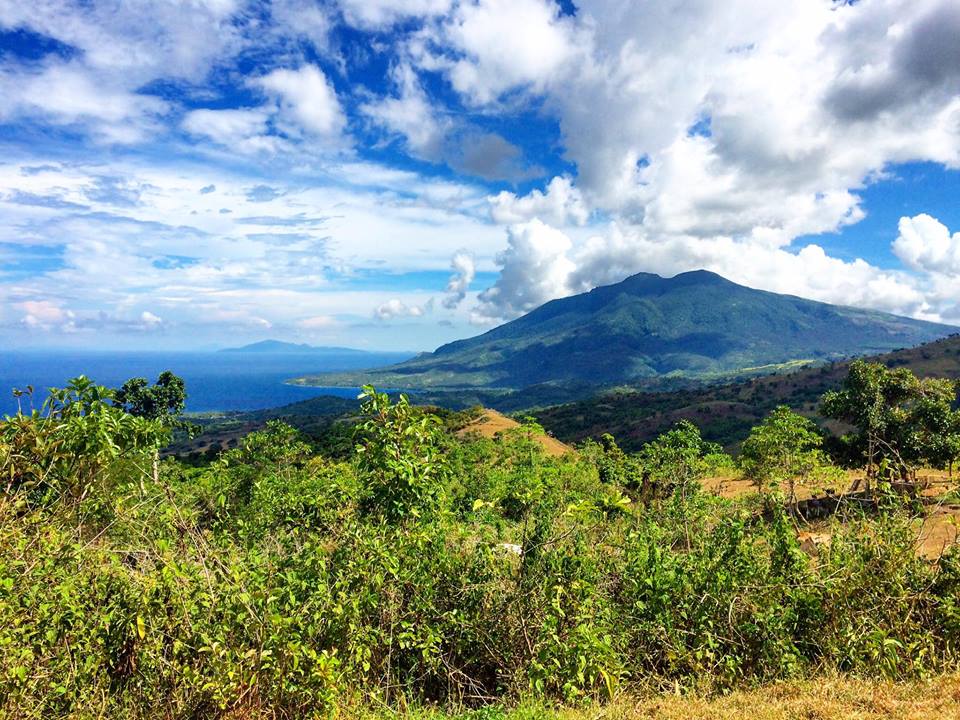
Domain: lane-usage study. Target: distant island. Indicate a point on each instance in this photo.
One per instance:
(288, 348)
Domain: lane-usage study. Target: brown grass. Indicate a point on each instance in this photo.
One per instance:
(826, 698)
(491, 423)
(836, 699)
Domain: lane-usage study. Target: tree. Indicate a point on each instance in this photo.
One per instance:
(164, 400)
(400, 456)
(783, 448)
(901, 420)
(675, 461)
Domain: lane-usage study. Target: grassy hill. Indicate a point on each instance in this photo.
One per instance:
(725, 412)
(652, 331)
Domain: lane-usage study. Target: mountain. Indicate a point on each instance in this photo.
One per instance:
(278, 346)
(648, 330)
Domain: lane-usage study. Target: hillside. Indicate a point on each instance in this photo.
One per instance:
(490, 424)
(650, 330)
(726, 412)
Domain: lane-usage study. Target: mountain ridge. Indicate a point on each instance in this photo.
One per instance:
(649, 329)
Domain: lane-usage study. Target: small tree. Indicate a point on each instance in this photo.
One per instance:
(783, 448)
(675, 461)
(614, 466)
(400, 456)
(162, 402)
(901, 420)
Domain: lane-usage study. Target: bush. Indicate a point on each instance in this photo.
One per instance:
(433, 570)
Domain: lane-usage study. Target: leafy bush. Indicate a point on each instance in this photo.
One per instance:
(425, 569)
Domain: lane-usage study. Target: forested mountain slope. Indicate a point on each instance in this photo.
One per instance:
(651, 330)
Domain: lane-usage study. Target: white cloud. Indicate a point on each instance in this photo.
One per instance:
(66, 93)
(137, 41)
(411, 115)
(308, 100)
(396, 308)
(149, 320)
(318, 322)
(380, 14)
(500, 45)
(464, 270)
(926, 244)
(534, 268)
(45, 315)
(244, 131)
(560, 204)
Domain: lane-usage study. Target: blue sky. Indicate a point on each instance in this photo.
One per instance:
(395, 174)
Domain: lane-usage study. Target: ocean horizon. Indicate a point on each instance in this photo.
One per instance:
(216, 381)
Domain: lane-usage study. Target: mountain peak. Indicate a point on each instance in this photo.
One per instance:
(648, 329)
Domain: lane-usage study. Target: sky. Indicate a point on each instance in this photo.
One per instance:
(396, 174)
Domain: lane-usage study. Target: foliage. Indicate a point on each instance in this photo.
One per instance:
(164, 400)
(425, 570)
(782, 450)
(901, 420)
(400, 456)
(65, 447)
(676, 461)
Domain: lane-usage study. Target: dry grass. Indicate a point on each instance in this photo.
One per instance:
(812, 700)
(816, 699)
(491, 423)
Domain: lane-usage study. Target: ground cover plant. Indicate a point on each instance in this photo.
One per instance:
(433, 567)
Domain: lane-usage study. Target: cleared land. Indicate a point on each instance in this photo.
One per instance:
(491, 423)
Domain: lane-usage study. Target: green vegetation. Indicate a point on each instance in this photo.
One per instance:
(423, 569)
(726, 413)
(901, 420)
(651, 332)
(783, 450)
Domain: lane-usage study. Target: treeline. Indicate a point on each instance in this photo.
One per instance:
(427, 568)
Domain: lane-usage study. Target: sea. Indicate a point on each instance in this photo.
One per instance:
(216, 381)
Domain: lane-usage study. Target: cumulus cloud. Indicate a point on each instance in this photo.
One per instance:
(918, 65)
(773, 158)
(534, 268)
(307, 99)
(925, 244)
(45, 315)
(149, 320)
(380, 14)
(498, 45)
(464, 270)
(396, 308)
(560, 204)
